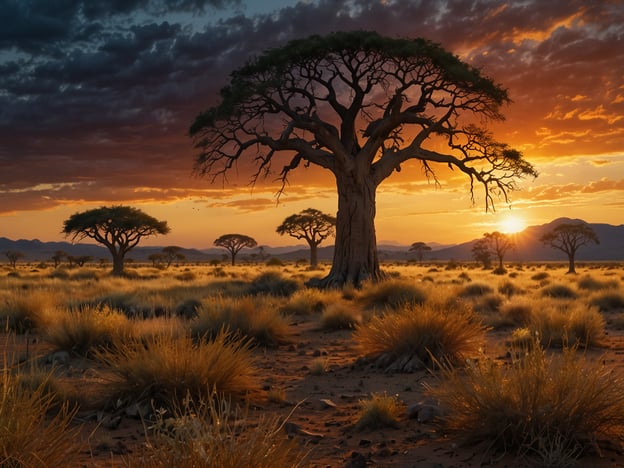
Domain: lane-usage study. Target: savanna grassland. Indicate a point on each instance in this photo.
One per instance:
(210, 365)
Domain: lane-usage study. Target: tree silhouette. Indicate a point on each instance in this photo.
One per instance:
(234, 243)
(58, 257)
(499, 245)
(569, 237)
(359, 105)
(171, 253)
(119, 228)
(420, 248)
(156, 259)
(13, 256)
(481, 253)
(311, 225)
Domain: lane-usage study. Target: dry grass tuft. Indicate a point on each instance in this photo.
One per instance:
(340, 316)
(28, 436)
(166, 368)
(392, 293)
(558, 291)
(23, 311)
(273, 283)
(215, 433)
(574, 325)
(608, 301)
(255, 317)
(378, 412)
(475, 290)
(307, 301)
(412, 336)
(550, 409)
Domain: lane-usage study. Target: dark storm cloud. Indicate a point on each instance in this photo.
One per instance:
(105, 91)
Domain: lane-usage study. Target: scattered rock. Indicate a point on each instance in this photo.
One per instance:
(424, 411)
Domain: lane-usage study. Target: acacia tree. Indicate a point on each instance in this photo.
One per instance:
(13, 256)
(569, 237)
(481, 253)
(171, 253)
(118, 228)
(499, 244)
(234, 243)
(420, 248)
(58, 257)
(359, 105)
(311, 225)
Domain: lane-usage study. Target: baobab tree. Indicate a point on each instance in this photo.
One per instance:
(311, 225)
(569, 237)
(420, 248)
(118, 228)
(359, 105)
(499, 245)
(234, 243)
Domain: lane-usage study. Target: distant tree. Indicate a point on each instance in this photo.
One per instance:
(82, 259)
(481, 253)
(499, 244)
(420, 248)
(569, 237)
(13, 256)
(58, 257)
(234, 243)
(119, 228)
(359, 105)
(172, 253)
(156, 259)
(311, 225)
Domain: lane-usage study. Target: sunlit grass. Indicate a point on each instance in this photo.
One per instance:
(378, 412)
(391, 293)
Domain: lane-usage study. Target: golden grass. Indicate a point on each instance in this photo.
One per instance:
(574, 323)
(391, 293)
(165, 369)
(216, 433)
(28, 436)
(378, 412)
(422, 332)
(340, 316)
(257, 318)
(550, 408)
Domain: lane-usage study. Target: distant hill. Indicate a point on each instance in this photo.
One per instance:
(528, 248)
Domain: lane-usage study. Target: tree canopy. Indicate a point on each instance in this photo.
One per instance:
(359, 105)
(568, 238)
(234, 243)
(118, 228)
(311, 225)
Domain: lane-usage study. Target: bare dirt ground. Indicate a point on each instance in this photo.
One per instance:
(321, 408)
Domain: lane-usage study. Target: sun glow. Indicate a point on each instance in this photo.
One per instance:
(512, 224)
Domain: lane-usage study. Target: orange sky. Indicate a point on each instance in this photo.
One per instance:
(104, 122)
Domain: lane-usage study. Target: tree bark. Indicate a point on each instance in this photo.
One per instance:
(355, 252)
(118, 264)
(313, 255)
(571, 268)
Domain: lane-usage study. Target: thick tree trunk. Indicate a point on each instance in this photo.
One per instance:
(355, 253)
(571, 268)
(118, 264)
(233, 258)
(313, 255)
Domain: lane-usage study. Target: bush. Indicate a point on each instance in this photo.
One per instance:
(508, 289)
(608, 301)
(517, 313)
(22, 312)
(256, 318)
(408, 339)
(550, 409)
(167, 369)
(306, 302)
(542, 275)
(378, 412)
(216, 433)
(590, 284)
(475, 289)
(339, 316)
(274, 284)
(28, 437)
(559, 291)
(392, 293)
(559, 326)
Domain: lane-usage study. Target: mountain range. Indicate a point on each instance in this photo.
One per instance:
(528, 248)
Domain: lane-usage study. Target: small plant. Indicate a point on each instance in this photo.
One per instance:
(215, 432)
(553, 409)
(378, 412)
(165, 369)
(339, 316)
(540, 276)
(517, 313)
(255, 318)
(577, 324)
(392, 293)
(28, 435)
(306, 302)
(22, 312)
(559, 291)
(508, 288)
(408, 339)
(319, 366)
(608, 301)
(475, 289)
(272, 283)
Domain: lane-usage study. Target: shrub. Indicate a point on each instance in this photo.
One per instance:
(378, 412)
(339, 316)
(216, 433)
(274, 261)
(542, 275)
(608, 301)
(559, 291)
(167, 369)
(22, 312)
(475, 289)
(509, 288)
(588, 283)
(558, 326)
(82, 331)
(306, 302)
(274, 284)
(407, 339)
(393, 293)
(489, 303)
(553, 409)
(517, 313)
(28, 436)
(255, 318)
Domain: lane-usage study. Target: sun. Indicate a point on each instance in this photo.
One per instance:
(512, 224)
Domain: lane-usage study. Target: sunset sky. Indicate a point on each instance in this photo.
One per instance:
(96, 101)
